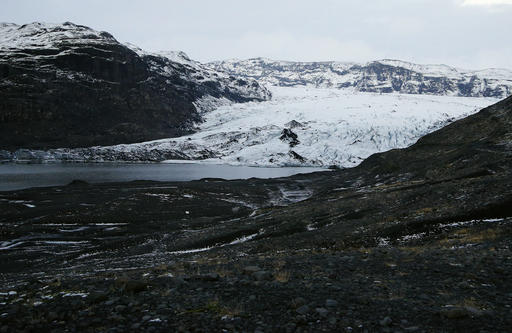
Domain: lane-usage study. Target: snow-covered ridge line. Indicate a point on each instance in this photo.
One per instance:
(47, 36)
(204, 74)
(383, 76)
(447, 71)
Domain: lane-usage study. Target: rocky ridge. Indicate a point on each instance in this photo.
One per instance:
(382, 76)
(67, 85)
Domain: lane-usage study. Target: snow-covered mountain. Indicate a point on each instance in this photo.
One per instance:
(298, 127)
(42, 41)
(67, 85)
(383, 76)
(226, 88)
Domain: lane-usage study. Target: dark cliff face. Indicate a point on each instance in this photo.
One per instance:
(383, 78)
(70, 86)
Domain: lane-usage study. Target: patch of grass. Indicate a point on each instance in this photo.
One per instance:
(485, 235)
(282, 276)
(223, 272)
(469, 236)
(423, 211)
(470, 302)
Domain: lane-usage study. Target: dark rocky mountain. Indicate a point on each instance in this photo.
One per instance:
(411, 240)
(384, 76)
(66, 85)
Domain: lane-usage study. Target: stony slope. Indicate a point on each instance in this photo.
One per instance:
(382, 76)
(66, 85)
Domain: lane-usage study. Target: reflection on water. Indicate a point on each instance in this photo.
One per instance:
(19, 176)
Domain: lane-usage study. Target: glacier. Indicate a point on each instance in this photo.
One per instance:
(299, 126)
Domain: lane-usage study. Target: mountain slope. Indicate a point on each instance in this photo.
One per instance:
(66, 85)
(382, 76)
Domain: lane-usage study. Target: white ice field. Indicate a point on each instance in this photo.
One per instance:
(333, 127)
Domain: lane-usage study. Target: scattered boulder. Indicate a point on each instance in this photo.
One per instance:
(303, 310)
(251, 269)
(209, 277)
(98, 297)
(78, 182)
(298, 302)
(262, 276)
(323, 312)
(330, 303)
(457, 312)
(130, 286)
(386, 322)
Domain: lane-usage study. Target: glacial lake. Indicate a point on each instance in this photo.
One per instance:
(20, 176)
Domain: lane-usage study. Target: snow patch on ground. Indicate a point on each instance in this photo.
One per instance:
(239, 240)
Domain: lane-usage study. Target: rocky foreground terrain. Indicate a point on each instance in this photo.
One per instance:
(67, 85)
(411, 240)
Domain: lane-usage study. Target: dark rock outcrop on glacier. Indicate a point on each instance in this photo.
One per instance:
(70, 86)
(384, 76)
(289, 136)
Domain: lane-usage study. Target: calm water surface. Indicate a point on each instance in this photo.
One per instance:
(20, 176)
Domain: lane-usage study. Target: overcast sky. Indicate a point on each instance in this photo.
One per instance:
(464, 33)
